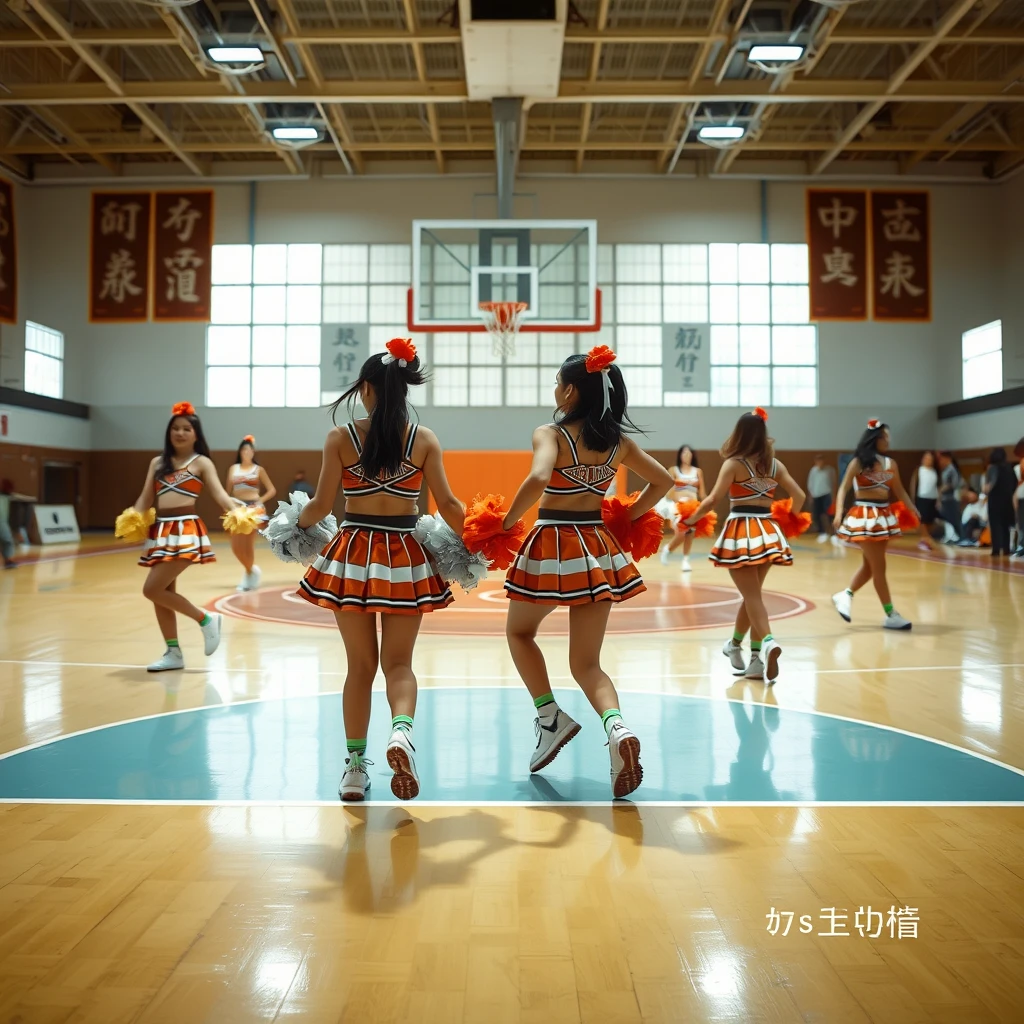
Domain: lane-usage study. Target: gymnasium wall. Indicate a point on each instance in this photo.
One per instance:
(131, 374)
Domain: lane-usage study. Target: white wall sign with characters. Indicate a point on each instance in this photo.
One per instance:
(57, 524)
(343, 350)
(686, 357)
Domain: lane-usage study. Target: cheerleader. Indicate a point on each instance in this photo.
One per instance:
(570, 558)
(373, 564)
(872, 521)
(688, 485)
(178, 537)
(245, 479)
(751, 541)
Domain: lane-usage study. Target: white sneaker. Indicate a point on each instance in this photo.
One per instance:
(770, 656)
(664, 554)
(624, 750)
(405, 783)
(755, 670)
(836, 542)
(822, 538)
(734, 652)
(356, 780)
(250, 580)
(896, 621)
(243, 583)
(686, 567)
(211, 634)
(844, 604)
(172, 658)
(552, 735)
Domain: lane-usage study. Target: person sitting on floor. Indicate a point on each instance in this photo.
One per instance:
(975, 518)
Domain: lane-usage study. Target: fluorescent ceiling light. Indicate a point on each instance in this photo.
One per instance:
(721, 131)
(775, 52)
(235, 54)
(296, 133)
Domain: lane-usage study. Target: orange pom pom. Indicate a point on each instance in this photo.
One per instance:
(641, 537)
(402, 348)
(485, 534)
(183, 409)
(249, 439)
(705, 526)
(792, 523)
(615, 514)
(907, 520)
(599, 358)
(761, 414)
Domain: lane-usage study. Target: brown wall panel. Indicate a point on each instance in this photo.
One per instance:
(23, 464)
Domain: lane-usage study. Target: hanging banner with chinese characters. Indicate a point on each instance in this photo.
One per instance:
(8, 256)
(837, 247)
(181, 255)
(343, 350)
(685, 357)
(119, 256)
(901, 272)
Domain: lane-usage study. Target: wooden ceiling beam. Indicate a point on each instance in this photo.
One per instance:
(411, 24)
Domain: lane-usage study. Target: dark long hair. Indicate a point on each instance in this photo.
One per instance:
(241, 444)
(997, 457)
(384, 446)
(599, 430)
(200, 447)
(749, 440)
(867, 447)
(693, 456)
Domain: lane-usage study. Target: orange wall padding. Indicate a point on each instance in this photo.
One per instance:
(473, 473)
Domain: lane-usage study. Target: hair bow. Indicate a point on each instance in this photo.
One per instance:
(401, 349)
(183, 409)
(874, 423)
(248, 439)
(761, 414)
(599, 358)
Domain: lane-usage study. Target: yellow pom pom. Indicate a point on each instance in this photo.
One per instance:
(133, 526)
(241, 519)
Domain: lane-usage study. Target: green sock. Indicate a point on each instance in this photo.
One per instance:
(610, 718)
(755, 645)
(539, 702)
(403, 722)
(356, 748)
(172, 643)
(737, 637)
(888, 609)
(205, 620)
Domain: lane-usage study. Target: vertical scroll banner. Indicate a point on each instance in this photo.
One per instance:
(686, 357)
(119, 256)
(182, 253)
(837, 246)
(901, 285)
(343, 350)
(8, 256)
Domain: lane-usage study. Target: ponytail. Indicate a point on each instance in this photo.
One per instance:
(601, 403)
(390, 374)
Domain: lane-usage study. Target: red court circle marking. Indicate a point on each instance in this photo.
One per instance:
(664, 607)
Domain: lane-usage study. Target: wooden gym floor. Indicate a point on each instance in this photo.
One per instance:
(153, 901)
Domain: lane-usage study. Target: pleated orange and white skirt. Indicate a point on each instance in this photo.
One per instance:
(869, 520)
(751, 537)
(260, 511)
(571, 558)
(173, 538)
(374, 564)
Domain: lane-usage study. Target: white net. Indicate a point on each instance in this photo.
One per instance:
(502, 322)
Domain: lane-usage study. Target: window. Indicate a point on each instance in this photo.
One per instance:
(263, 342)
(44, 360)
(983, 359)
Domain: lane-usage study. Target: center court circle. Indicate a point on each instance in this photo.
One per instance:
(664, 607)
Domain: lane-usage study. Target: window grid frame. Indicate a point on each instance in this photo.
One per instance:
(43, 367)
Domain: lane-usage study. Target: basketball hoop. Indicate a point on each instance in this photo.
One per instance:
(502, 322)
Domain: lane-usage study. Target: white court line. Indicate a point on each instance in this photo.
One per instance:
(649, 693)
(410, 805)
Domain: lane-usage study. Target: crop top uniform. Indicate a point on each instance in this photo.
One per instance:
(871, 519)
(750, 536)
(177, 537)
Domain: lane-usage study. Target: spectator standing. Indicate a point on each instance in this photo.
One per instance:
(924, 489)
(1018, 497)
(6, 537)
(1000, 484)
(301, 484)
(949, 490)
(821, 486)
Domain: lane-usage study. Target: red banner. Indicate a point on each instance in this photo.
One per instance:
(837, 246)
(182, 255)
(8, 256)
(119, 256)
(901, 273)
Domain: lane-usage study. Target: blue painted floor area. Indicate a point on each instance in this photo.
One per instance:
(474, 745)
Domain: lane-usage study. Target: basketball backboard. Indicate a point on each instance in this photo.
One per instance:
(551, 265)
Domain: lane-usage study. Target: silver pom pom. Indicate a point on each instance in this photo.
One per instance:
(289, 541)
(454, 562)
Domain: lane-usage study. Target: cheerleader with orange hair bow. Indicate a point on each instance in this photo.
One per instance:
(245, 480)
(374, 563)
(873, 520)
(571, 558)
(178, 537)
(751, 541)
